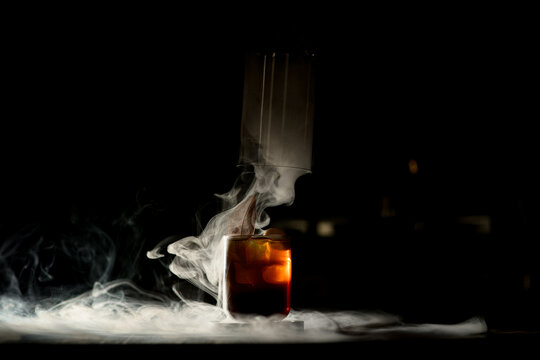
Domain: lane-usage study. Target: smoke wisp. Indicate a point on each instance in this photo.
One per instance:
(199, 260)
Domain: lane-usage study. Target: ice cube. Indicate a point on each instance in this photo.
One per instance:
(280, 250)
(278, 273)
(258, 250)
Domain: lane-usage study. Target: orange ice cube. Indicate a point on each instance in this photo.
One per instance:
(278, 273)
(257, 250)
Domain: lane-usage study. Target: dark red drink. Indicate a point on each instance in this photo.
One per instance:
(257, 275)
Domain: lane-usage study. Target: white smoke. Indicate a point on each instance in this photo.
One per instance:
(199, 260)
(120, 312)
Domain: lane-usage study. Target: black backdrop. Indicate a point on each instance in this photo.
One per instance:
(128, 122)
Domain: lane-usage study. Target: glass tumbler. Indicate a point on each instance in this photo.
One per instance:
(257, 275)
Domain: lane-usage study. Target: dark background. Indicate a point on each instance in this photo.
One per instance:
(119, 126)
